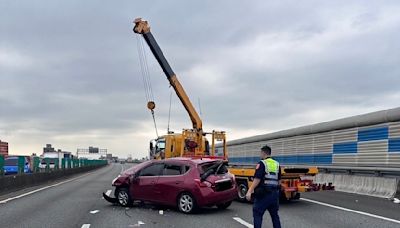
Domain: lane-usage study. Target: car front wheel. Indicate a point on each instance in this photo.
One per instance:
(123, 197)
(186, 203)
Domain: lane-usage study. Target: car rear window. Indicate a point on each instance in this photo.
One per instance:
(219, 167)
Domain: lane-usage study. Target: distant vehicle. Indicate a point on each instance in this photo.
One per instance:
(186, 183)
(42, 164)
(11, 166)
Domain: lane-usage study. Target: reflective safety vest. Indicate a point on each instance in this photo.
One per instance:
(271, 178)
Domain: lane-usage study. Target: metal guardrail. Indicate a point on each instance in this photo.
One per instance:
(34, 164)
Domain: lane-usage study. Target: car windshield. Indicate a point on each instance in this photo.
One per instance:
(161, 144)
(11, 161)
(135, 168)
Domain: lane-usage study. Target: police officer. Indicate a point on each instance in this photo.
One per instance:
(265, 189)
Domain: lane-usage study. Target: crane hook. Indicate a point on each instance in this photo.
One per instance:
(151, 105)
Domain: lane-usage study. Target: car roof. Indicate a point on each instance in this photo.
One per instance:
(193, 160)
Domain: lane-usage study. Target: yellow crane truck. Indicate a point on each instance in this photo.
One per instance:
(193, 142)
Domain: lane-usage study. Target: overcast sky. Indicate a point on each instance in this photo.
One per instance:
(70, 73)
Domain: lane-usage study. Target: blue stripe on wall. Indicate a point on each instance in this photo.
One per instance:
(345, 148)
(373, 134)
(394, 145)
(291, 159)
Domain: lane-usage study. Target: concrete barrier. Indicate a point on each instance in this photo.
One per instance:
(20, 181)
(384, 187)
(398, 189)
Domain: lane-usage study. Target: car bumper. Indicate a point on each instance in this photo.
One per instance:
(208, 197)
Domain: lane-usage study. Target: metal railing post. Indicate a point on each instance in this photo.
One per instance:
(47, 160)
(56, 164)
(36, 162)
(1, 165)
(21, 164)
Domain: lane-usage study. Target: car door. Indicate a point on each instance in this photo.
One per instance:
(170, 183)
(142, 187)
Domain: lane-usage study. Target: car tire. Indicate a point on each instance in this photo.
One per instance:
(242, 190)
(224, 206)
(123, 197)
(186, 203)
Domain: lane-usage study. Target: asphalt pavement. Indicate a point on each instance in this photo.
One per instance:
(77, 202)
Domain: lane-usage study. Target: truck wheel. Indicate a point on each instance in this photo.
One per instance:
(242, 190)
(123, 197)
(186, 203)
(297, 196)
(223, 206)
(282, 198)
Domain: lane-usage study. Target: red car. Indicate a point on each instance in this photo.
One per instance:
(187, 183)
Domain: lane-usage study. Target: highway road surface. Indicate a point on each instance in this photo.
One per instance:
(77, 202)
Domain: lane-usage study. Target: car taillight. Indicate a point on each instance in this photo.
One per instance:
(203, 184)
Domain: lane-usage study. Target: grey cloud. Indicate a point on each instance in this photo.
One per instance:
(69, 70)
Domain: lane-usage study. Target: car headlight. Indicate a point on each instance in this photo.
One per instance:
(115, 179)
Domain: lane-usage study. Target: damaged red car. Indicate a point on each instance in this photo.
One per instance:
(186, 183)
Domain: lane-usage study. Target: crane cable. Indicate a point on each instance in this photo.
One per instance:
(169, 111)
(144, 67)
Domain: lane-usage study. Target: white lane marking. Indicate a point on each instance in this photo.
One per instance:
(108, 192)
(85, 226)
(94, 212)
(43, 188)
(244, 223)
(350, 210)
(141, 223)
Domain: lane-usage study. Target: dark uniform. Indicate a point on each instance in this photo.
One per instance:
(266, 194)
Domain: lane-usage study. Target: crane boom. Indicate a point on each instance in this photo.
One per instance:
(142, 27)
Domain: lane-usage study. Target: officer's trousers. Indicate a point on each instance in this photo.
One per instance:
(270, 202)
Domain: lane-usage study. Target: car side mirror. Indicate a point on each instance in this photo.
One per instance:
(134, 177)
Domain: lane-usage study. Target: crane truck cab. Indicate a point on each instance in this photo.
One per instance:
(186, 145)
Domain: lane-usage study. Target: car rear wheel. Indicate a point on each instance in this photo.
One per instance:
(223, 206)
(123, 197)
(186, 203)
